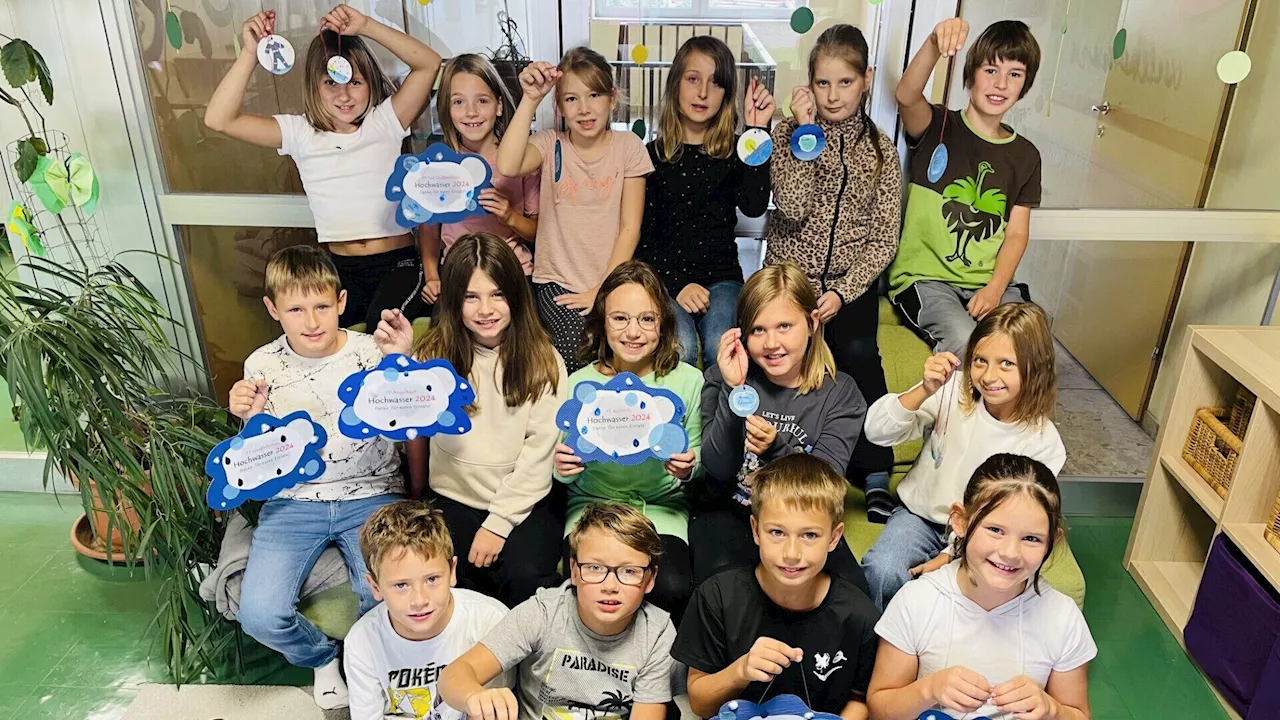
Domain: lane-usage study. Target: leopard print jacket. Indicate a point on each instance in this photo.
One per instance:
(835, 217)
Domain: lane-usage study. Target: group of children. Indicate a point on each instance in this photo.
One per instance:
(621, 258)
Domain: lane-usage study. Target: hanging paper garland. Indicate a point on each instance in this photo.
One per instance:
(1234, 67)
(802, 20)
(638, 128)
(173, 29)
(1117, 45)
(1048, 108)
(639, 54)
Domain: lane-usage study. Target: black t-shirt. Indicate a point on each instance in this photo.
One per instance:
(730, 610)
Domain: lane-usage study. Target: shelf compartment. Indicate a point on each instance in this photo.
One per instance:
(1171, 587)
(1199, 490)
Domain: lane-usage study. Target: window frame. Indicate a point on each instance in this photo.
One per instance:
(700, 11)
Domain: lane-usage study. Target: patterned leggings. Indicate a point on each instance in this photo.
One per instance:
(565, 325)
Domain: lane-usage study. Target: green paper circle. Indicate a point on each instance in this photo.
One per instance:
(1234, 67)
(637, 127)
(173, 29)
(875, 2)
(802, 20)
(1064, 25)
(1117, 45)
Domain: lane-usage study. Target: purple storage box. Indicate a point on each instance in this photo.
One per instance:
(1234, 627)
(1266, 701)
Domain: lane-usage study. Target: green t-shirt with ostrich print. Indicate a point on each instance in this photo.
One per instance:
(954, 227)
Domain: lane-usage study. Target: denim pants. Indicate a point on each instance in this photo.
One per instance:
(907, 541)
(289, 538)
(720, 316)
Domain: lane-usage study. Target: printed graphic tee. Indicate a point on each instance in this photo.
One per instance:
(954, 227)
(730, 610)
(391, 677)
(568, 672)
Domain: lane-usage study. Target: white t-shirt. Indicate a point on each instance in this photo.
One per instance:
(391, 677)
(967, 439)
(354, 469)
(345, 174)
(1030, 635)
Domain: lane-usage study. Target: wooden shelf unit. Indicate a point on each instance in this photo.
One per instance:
(1179, 513)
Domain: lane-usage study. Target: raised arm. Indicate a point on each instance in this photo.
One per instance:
(414, 93)
(516, 157)
(945, 40)
(223, 113)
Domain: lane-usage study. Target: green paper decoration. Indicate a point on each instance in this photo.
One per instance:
(19, 224)
(1117, 45)
(637, 127)
(173, 29)
(57, 185)
(802, 20)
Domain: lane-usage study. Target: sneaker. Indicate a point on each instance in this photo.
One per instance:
(880, 503)
(330, 691)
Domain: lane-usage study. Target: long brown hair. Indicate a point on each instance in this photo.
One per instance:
(785, 280)
(1027, 327)
(595, 346)
(591, 68)
(529, 364)
(481, 67)
(355, 49)
(848, 44)
(718, 142)
(1001, 477)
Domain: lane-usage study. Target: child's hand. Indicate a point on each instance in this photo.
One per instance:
(538, 79)
(680, 465)
(959, 688)
(984, 301)
(496, 203)
(766, 659)
(758, 104)
(345, 20)
(760, 435)
(581, 302)
(937, 371)
(694, 299)
(430, 290)
(829, 303)
(256, 28)
(485, 547)
(1025, 699)
(567, 464)
(732, 358)
(949, 36)
(495, 704)
(394, 333)
(802, 104)
(927, 567)
(247, 398)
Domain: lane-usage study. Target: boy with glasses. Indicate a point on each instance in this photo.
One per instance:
(592, 649)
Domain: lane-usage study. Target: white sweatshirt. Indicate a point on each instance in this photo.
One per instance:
(967, 440)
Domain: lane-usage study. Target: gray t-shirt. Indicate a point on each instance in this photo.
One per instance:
(568, 672)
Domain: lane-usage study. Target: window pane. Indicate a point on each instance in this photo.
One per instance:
(225, 267)
(727, 8)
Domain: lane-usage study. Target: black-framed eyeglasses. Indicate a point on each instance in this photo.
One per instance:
(620, 320)
(595, 573)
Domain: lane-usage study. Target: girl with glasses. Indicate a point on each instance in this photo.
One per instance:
(631, 329)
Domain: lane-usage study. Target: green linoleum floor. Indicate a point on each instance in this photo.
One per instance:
(74, 643)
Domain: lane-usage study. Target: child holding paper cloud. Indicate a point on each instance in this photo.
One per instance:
(301, 370)
(344, 145)
(631, 329)
(492, 483)
(592, 199)
(474, 108)
(804, 406)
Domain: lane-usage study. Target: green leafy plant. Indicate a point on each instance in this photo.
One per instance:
(22, 65)
(92, 374)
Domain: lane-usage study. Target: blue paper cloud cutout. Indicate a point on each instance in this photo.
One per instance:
(396, 368)
(780, 707)
(228, 490)
(411, 213)
(663, 441)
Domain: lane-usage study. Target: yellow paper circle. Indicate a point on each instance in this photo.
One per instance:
(424, 2)
(639, 54)
(1234, 67)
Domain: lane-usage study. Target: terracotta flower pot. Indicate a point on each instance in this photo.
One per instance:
(96, 545)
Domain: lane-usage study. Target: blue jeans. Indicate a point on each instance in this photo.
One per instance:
(290, 535)
(719, 317)
(907, 541)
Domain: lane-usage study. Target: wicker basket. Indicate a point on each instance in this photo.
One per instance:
(1213, 446)
(1272, 532)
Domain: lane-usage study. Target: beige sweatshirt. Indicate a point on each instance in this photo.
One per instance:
(504, 463)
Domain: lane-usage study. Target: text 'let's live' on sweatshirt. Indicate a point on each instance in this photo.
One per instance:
(504, 463)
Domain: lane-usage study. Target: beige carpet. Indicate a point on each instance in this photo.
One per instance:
(227, 702)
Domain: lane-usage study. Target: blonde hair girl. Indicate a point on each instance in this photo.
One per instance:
(693, 196)
(360, 126)
(592, 199)
(1000, 403)
(473, 108)
(805, 406)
